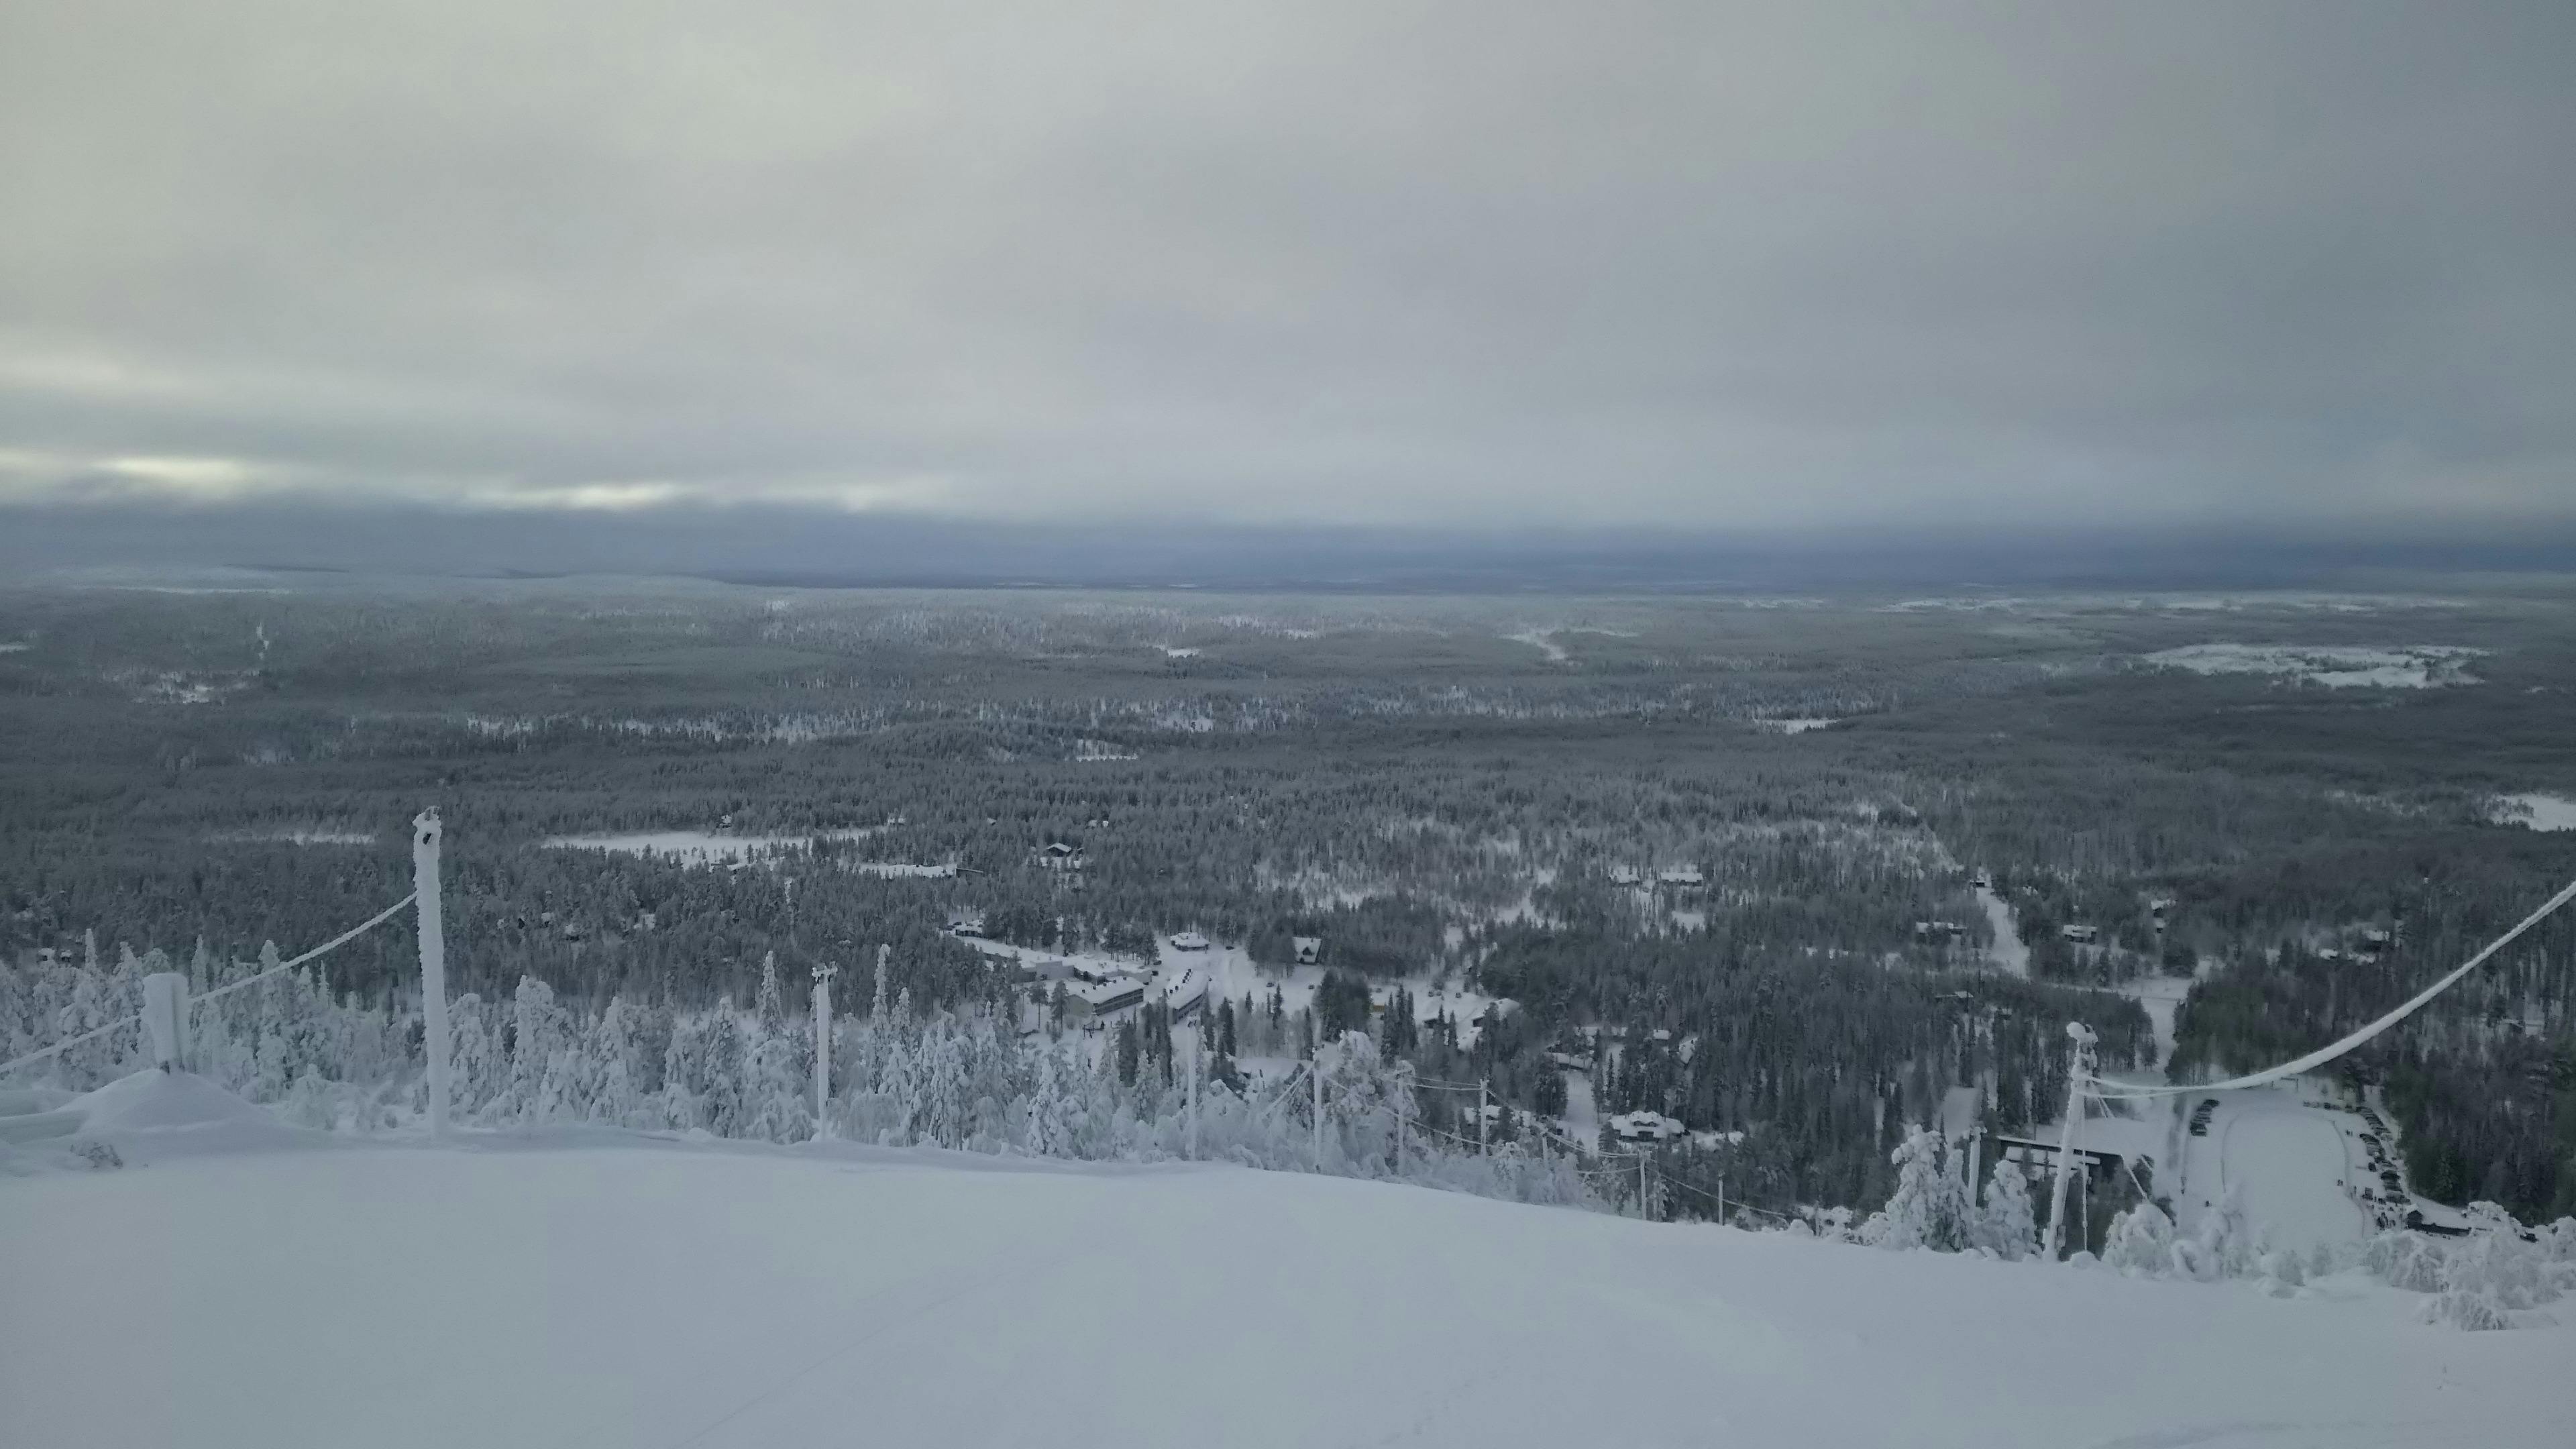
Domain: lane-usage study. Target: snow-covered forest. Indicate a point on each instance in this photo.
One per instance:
(1609, 833)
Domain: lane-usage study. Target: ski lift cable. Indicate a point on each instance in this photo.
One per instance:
(2357, 1039)
(351, 934)
(334, 943)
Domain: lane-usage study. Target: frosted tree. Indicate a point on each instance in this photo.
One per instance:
(2490, 1276)
(539, 1031)
(310, 1102)
(721, 1104)
(770, 1006)
(1930, 1206)
(1054, 1114)
(2140, 1242)
(2223, 1245)
(2005, 1225)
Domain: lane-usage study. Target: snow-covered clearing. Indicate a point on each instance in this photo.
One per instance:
(699, 847)
(1582, 1119)
(315, 836)
(1794, 726)
(2008, 952)
(15, 647)
(1544, 641)
(2162, 997)
(613, 1290)
(2412, 666)
(2537, 812)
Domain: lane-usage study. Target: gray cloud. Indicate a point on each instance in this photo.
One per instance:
(1794, 267)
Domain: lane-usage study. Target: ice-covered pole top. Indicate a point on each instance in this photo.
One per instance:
(425, 833)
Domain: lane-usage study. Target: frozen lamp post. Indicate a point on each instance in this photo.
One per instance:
(2079, 1068)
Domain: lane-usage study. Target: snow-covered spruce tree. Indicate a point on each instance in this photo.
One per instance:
(2140, 1242)
(2222, 1246)
(2005, 1225)
(1930, 1206)
(2493, 1277)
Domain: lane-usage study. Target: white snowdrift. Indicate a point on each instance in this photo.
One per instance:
(539, 1292)
(153, 1115)
(154, 1100)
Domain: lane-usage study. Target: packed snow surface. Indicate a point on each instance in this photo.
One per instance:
(2538, 812)
(606, 1290)
(2414, 666)
(2291, 1164)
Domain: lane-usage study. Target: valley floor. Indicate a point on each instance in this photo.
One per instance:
(605, 1289)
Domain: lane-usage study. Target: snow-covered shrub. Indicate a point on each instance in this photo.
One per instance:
(2005, 1225)
(2141, 1242)
(2222, 1246)
(2494, 1276)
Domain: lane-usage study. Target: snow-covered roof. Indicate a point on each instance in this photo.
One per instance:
(1643, 1123)
(1117, 991)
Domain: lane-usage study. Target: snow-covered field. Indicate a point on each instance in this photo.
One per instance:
(605, 1289)
(2538, 812)
(2413, 666)
(699, 847)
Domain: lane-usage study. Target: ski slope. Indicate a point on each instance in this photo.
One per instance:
(2290, 1164)
(603, 1289)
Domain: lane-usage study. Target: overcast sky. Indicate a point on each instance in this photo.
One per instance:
(1696, 265)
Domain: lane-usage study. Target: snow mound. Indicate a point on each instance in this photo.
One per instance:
(152, 1100)
(153, 1116)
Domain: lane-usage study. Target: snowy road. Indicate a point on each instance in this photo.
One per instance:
(624, 1293)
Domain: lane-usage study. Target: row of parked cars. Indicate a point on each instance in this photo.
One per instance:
(2388, 1203)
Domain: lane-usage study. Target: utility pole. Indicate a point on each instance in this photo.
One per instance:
(1194, 1095)
(2079, 1066)
(1402, 1076)
(1315, 1069)
(1482, 1146)
(433, 961)
(1642, 1210)
(823, 1048)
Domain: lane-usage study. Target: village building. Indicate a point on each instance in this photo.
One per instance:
(1642, 1126)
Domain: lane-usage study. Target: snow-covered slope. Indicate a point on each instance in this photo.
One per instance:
(606, 1290)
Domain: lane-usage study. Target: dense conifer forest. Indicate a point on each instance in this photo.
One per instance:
(1720, 849)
